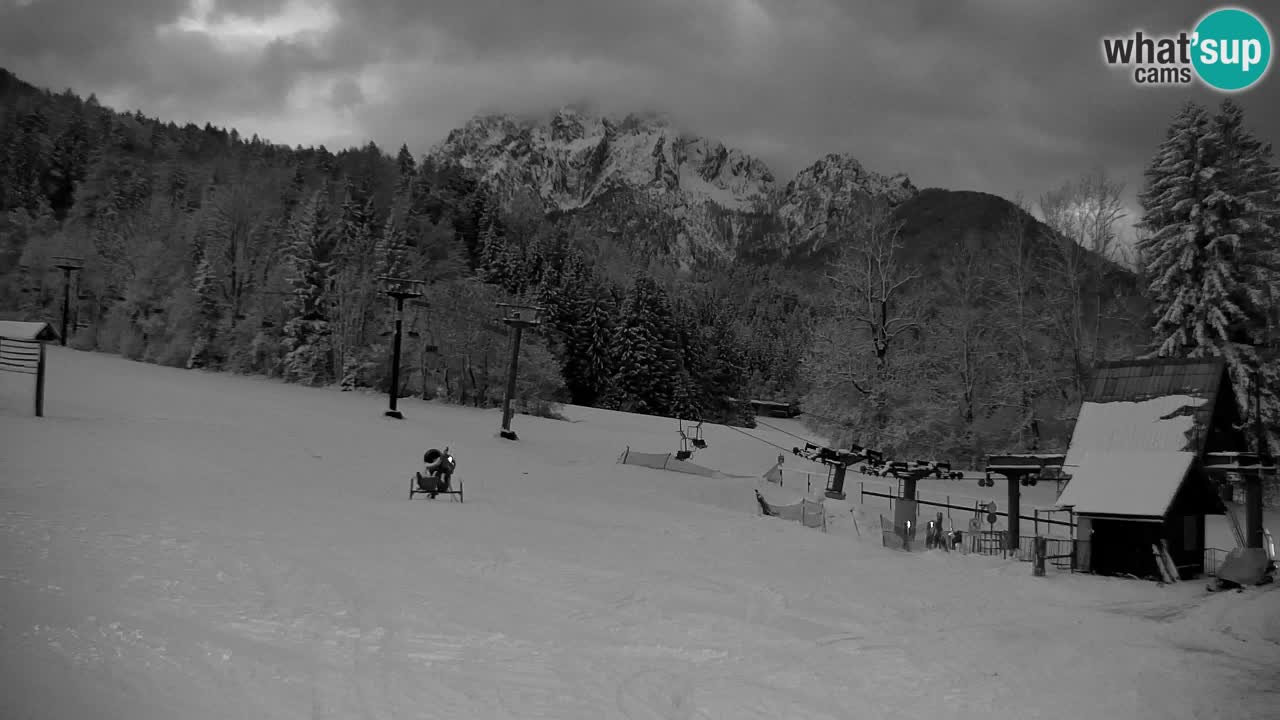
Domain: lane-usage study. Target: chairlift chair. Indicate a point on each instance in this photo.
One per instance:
(693, 437)
(684, 453)
(430, 343)
(696, 440)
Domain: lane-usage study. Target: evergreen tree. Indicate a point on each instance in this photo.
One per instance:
(561, 294)
(307, 333)
(726, 376)
(1245, 211)
(644, 350)
(405, 165)
(353, 283)
(1245, 214)
(495, 258)
(1188, 277)
(587, 361)
(208, 314)
(684, 397)
(1210, 215)
(391, 250)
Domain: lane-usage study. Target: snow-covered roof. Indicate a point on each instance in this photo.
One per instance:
(1135, 484)
(1136, 382)
(1158, 424)
(29, 331)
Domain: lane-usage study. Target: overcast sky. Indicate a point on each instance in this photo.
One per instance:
(1004, 96)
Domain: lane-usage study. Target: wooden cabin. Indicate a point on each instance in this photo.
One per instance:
(1136, 463)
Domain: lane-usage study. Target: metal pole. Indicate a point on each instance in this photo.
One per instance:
(1014, 510)
(66, 303)
(1253, 481)
(395, 362)
(40, 383)
(511, 383)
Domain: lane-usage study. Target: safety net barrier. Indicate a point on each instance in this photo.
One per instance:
(663, 461)
(804, 510)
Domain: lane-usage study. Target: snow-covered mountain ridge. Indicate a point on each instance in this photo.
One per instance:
(719, 199)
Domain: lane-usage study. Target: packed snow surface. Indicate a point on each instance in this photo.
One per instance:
(177, 544)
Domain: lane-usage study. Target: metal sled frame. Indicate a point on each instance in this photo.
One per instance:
(455, 483)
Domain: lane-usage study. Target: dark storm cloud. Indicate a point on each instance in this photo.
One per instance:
(95, 41)
(118, 50)
(999, 95)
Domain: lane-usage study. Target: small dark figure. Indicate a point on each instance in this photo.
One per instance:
(936, 526)
(934, 534)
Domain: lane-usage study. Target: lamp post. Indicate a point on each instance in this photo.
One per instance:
(518, 318)
(400, 289)
(67, 265)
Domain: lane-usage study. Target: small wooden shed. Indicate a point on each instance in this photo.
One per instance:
(1127, 502)
(1136, 463)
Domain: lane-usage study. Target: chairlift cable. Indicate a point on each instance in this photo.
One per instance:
(784, 432)
(754, 437)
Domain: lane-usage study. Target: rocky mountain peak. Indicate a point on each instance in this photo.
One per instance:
(572, 156)
(845, 175)
(712, 193)
(835, 182)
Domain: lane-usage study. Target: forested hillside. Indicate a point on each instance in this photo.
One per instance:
(207, 249)
(934, 322)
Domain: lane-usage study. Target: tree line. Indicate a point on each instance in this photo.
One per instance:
(204, 249)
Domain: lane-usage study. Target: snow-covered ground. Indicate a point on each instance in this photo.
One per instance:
(181, 544)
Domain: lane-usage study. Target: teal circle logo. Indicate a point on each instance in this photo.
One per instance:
(1231, 49)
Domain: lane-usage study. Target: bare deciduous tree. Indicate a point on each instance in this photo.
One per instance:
(1015, 283)
(236, 219)
(859, 357)
(1084, 215)
(868, 285)
(962, 337)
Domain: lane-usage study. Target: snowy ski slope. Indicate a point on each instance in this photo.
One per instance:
(178, 544)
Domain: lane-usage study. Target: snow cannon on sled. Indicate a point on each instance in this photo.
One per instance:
(438, 480)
